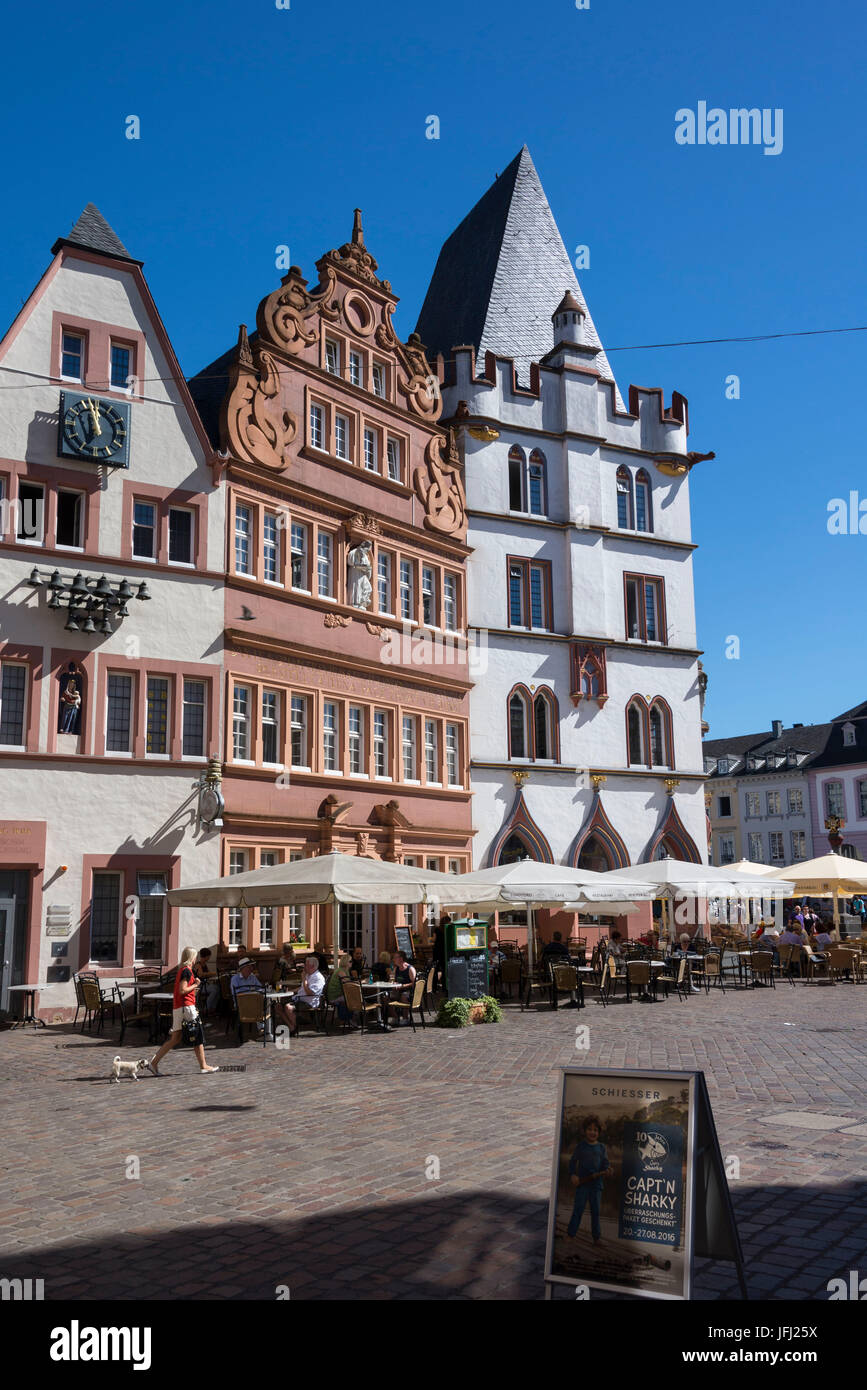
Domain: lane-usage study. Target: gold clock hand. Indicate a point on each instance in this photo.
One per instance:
(94, 416)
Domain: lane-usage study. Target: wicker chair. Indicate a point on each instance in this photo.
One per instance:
(250, 1009)
(410, 1006)
(355, 1003)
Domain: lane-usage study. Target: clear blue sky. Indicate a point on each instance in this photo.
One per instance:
(262, 126)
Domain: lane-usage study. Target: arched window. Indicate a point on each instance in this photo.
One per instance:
(538, 505)
(635, 733)
(545, 725)
(595, 856)
(660, 734)
(625, 519)
(516, 479)
(518, 731)
(643, 512)
(514, 849)
(590, 680)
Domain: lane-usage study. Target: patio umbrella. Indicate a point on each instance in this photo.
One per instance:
(749, 866)
(828, 876)
(677, 878)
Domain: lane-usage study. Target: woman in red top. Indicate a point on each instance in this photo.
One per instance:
(184, 1010)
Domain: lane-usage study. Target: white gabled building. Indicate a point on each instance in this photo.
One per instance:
(586, 729)
(110, 704)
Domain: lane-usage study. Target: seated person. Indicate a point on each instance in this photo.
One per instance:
(823, 938)
(211, 985)
(613, 946)
(334, 987)
(556, 948)
(286, 960)
(405, 974)
(245, 981)
(358, 967)
(321, 951)
(495, 955)
(382, 968)
(309, 996)
(793, 935)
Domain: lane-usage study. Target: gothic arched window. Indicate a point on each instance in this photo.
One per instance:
(519, 742)
(660, 734)
(536, 489)
(516, 479)
(545, 726)
(625, 512)
(643, 510)
(635, 733)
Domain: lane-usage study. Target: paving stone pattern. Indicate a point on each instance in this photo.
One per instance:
(307, 1172)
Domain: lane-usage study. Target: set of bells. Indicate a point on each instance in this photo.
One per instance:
(92, 603)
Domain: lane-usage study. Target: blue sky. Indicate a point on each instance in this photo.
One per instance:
(262, 126)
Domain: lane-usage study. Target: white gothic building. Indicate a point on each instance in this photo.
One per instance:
(586, 727)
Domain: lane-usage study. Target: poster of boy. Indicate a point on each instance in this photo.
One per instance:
(618, 1206)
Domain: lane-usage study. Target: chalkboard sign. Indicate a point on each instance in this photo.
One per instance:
(403, 937)
(467, 975)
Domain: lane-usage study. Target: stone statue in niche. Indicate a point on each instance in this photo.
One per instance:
(360, 575)
(69, 706)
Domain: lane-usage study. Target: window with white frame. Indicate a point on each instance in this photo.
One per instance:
(796, 801)
(371, 451)
(242, 539)
(332, 357)
(119, 372)
(267, 860)
(454, 866)
(383, 581)
(271, 548)
(270, 726)
(13, 686)
(756, 851)
(296, 916)
(144, 532)
(408, 748)
(799, 844)
(450, 601)
(849, 736)
(773, 803)
(778, 852)
(407, 590)
(241, 723)
(356, 369)
(428, 596)
(237, 915)
(157, 728)
(298, 560)
(452, 755)
(834, 803)
(105, 917)
(378, 378)
(118, 714)
(150, 922)
(341, 436)
(298, 731)
(330, 736)
(316, 426)
(355, 718)
(431, 751)
(395, 472)
(380, 743)
(324, 568)
(72, 357)
(754, 804)
(70, 509)
(193, 732)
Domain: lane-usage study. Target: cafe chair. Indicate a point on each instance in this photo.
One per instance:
(355, 1004)
(674, 976)
(843, 962)
(510, 974)
(711, 968)
(761, 965)
(564, 980)
(250, 1009)
(429, 983)
(79, 992)
(605, 979)
(639, 977)
(410, 1006)
(541, 980)
(97, 1003)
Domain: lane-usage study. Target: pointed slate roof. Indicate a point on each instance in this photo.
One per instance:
(92, 233)
(501, 275)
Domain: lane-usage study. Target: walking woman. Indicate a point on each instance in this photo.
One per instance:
(184, 1011)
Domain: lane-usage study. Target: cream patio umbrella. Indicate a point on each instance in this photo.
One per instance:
(677, 878)
(826, 877)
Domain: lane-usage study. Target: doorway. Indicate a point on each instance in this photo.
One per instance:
(357, 928)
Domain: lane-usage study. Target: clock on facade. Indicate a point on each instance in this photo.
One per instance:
(91, 428)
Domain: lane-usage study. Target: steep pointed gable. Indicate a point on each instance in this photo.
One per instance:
(501, 275)
(92, 233)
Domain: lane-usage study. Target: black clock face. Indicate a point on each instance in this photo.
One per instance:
(94, 429)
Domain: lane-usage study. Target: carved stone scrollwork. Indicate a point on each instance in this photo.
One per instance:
(336, 620)
(441, 489)
(288, 317)
(256, 428)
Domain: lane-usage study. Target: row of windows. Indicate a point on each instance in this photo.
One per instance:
(530, 601)
(74, 365)
(756, 849)
(356, 366)
(634, 511)
(835, 802)
(359, 740)
(533, 728)
(159, 531)
(349, 437)
(403, 587)
(528, 490)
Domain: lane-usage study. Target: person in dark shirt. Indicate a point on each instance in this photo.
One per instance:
(587, 1168)
(556, 948)
(357, 964)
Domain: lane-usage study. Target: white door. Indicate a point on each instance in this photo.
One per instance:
(357, 929)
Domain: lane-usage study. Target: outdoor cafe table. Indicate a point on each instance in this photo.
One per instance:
(29, 1016)
(155, 997)
(271, 997)
(379, 987)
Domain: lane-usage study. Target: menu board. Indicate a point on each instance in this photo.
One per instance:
(403, 937)
(471, 937)
(467, 975)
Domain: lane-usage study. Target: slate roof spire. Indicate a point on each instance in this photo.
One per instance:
(500, 276)
(92, 233)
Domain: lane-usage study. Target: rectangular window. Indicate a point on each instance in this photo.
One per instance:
(537, 597)
(623, 509)
(428, 596)
(69, 510)
(157, 740)
(323, 564)
(834, 804)
(724, 806)
(31, 512)
(316, 426)
(641, 509)
(407, 590)
(298, 731)
(151, 917)
(796, 801)
(72, 360)
(105, 917)
(118, 715)
(516, 596)
(120, 367)
(755, 847)
(378, 379)
(242, 540)
(144, 530)
(341, 436)
(536, 481)
(380, 743)
(727, 849)
(267, 860)
(452, 756)
(356, 739)
(270, 726)
(356, 371)
(529, 587)
(332, 357)
(180, 536)
(241, 724)
(777, 850)
(395, 472)
(454, 866)
(300, 578)
(799, 844)
(431, 751)
(271, 548)
(13, 683)
(371, 451)
(754, 804)
(194, 719)
(774, 807)
(237, 915)
(408, 748)
(644, 609)
(450, 601)
(383, 581)
(862, 799)
(330, 736)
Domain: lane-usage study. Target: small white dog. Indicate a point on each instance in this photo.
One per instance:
(119, 1068)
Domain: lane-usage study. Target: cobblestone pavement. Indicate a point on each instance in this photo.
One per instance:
(308, 1170)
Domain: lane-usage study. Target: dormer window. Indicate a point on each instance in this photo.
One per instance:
(849, 736)
(722, 767)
